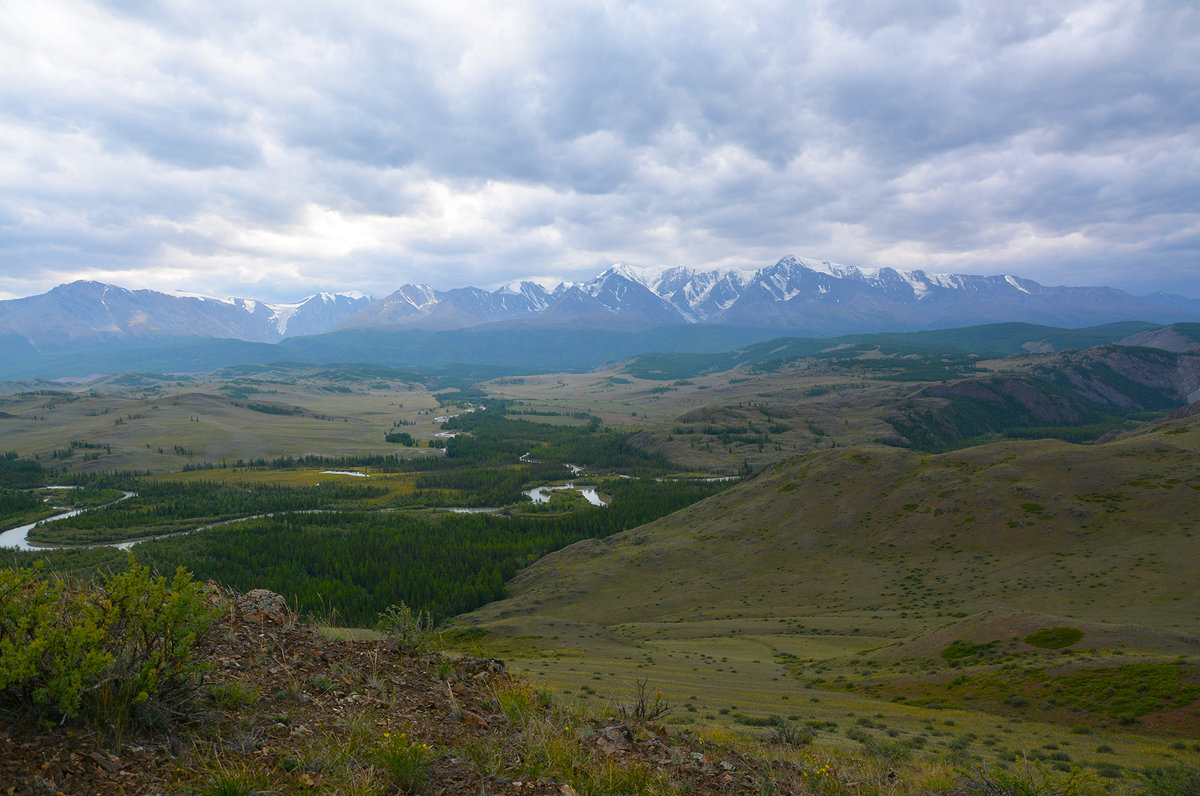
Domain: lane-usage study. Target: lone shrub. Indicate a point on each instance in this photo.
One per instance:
(117, 651)
(412, 629)
(645, 706)
(790, 733)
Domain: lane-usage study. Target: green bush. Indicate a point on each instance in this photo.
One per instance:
(412, 629)
(116, 652)
(1179, 780)
(790, 733)
(1054, 638)
(51, 642)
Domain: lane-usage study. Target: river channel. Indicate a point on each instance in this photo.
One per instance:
(541, 494)
(19, 537)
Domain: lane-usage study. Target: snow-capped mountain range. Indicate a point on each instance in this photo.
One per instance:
(86, 311)
(815, 297)
(796, 296)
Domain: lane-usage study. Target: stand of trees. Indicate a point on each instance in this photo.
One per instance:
(492, 438)
(18, 473)
(15, 504)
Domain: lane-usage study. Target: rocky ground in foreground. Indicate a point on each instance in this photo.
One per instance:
(286, 710)
(283, 709)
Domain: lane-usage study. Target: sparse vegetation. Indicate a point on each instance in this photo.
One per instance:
(406, 761)
(1129, 691)
(645, 705)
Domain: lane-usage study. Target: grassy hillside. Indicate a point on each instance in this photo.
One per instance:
(835, 587)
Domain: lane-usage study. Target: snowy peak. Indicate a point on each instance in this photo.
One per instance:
(527, 296)
(316, 313)
(310, 315)
(647, 276)
(616, 292)
(837, 270)
(621, 291)
(536, 293)
(416, 296)
(695, 295)
(919, 283)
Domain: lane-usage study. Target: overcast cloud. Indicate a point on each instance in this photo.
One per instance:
(295, 146)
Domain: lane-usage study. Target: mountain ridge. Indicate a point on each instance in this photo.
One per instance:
(799, 295)
(89, 310)
(817, 297)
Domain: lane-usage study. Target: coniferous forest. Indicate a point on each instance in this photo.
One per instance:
(361, 562)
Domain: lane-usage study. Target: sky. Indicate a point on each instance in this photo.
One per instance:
(276, 148)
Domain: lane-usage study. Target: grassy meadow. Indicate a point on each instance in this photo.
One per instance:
(159, 424)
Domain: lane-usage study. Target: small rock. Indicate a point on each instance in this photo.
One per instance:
(619, 734)
(104, 762)
(263, 605)
(608, 747)
(474, 718)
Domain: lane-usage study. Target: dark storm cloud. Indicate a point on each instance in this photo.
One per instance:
(272, 149)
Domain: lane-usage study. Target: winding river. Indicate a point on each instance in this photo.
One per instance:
(19, 537)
